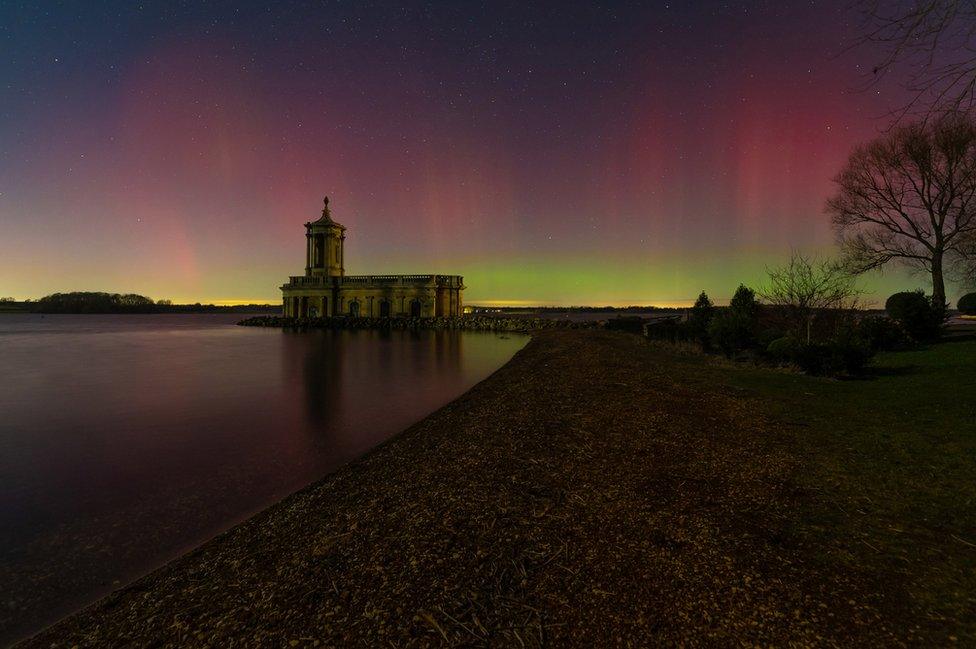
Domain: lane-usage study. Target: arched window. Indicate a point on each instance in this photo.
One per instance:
(384, 308)
(319, 251)
(415, 309)
(354, 309)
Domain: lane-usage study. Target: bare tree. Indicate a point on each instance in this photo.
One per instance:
(931, 42)
(805, 288)
(908, 197)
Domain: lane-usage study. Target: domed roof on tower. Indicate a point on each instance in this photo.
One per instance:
(326, 218)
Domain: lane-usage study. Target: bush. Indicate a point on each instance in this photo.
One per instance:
(783, 349)
(814, 358)
(731, 332)
(967, 304)
(884, 334)
(916, 313)
(846, 353)
(767, 336)
(850, 353)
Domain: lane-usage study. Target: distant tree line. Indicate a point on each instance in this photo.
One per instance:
(98, 302)
(91, 302)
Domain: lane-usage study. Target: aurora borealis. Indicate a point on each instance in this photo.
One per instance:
(559, 153)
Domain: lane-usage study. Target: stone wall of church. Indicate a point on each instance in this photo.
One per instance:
(372, 302)
(307, 303)
(387, 302)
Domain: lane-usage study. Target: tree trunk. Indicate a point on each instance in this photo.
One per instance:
(938, 282)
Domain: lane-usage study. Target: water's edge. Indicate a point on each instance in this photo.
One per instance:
(265, 509)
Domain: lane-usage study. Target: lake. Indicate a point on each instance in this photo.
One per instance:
(127, 440)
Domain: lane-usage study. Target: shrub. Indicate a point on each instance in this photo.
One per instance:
(967, 304)
(916, 313)
(807, 291)
(782, 349)
(884, 334)
(814, 358)
(849, 352)
(766, 336)
(731, 332)
(631, 324)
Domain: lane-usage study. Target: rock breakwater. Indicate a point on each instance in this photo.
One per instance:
(467, 323)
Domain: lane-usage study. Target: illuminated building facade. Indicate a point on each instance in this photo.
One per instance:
(325, 290)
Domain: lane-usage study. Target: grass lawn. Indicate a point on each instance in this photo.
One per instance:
(890, 466)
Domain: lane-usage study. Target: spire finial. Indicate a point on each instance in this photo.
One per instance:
(325, 208)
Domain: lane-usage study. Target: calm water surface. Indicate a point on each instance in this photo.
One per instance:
(126, 440)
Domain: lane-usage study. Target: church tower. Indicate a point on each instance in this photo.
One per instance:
(323, 246)
(325, 291)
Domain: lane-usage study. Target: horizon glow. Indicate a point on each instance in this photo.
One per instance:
(552, 155)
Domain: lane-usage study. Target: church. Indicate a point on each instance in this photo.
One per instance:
(325, 290)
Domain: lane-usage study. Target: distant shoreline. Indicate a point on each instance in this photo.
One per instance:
(178, 309)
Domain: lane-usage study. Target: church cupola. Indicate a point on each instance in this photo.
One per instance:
(324, 239)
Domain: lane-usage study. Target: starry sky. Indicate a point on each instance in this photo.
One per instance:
(552, 153)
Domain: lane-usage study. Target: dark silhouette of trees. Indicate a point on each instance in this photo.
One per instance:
(916, 314)
(700, 317)
(97, 302)
(932, 43)
(734, 329)
(806, 287)
(93, 302)
(909, 197)
(744, 302)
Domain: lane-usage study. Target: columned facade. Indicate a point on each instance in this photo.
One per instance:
(326, 291)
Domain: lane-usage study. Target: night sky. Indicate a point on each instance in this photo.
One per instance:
(610, 153)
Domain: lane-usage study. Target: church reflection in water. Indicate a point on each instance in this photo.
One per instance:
(322, 378)
(359, 383)
(180, 430)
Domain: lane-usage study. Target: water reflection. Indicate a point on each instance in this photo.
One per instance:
(125, 440)
(322, 376)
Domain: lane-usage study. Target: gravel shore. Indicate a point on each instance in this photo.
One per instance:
(591, 492)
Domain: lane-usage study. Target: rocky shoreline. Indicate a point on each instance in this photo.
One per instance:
(467, 323)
